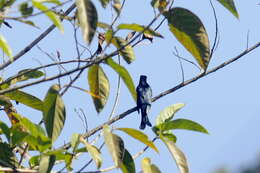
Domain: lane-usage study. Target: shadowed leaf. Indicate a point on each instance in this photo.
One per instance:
(26, 99)
(99, 86)
(46, 163)
(87, 16)
(128, 164)
(54, 113)
(191, 33)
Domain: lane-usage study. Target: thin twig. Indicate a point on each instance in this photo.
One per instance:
(35, 42)
(169, 91)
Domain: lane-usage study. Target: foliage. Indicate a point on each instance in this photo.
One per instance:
(27, 137)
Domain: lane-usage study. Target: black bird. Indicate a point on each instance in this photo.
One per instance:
(144, 101)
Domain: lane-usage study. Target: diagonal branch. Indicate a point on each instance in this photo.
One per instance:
(169, 91)
(34, 42)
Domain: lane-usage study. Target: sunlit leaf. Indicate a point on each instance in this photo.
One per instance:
(139, 28)
(75, 140)
(124, 74)
(177, 154)
(87, 16)
(46, 163)
(140, 136)
(99, 85)
(126, 51)
(184, 124)
(148, 167)
(94, 152)
(128, 164)
(230, 5)
(115, 145)
(168, 113)
(54, 113)
(191, 33)
(5, 47)
(51, 15)
(103, 25)
(5, 101)
(68, 161)
(26, 99)
(57, 2)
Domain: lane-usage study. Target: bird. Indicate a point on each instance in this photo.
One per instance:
(144, 101)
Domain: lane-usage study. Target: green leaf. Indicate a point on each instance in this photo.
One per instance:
(17, 135)
(104, 3)
(26, 99)
(75, 141)
(103, 25)
(46, 163)
(126, 52)
(68, 160)
(5, 47)
(177, 154)
(25, 9)
(168, 113)
(191, 33)
(5, 101)
(57, 2)
(87, 16)
(115, 145)
(94, 153)
(7, 156)
(128, 164)
(51, 15)
(22, 75)
(99, 86)
(183, 124)
(5, 130)
(147, 167)
(229, 5)
(140, 136)
(54, 113)
(123, 73)
(139, 28)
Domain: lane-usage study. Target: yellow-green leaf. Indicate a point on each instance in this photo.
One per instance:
(168, 113)
(5, 47)
(26, 99)
(115, 145)
(87, 16)
(104, 3)
(123, 73)
(191, 33)
(94, 152)
(139, 28)
(229, 5)
(126, 51)
(51, 15)
(99, 86)
(148, 167)
(177, 154)
(140, 136)
(54, 113)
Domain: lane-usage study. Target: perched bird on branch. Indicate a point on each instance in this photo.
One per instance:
(144, 100)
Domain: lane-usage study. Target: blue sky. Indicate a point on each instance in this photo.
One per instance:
(225, 102)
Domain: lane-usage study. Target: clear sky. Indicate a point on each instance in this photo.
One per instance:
(225, 102)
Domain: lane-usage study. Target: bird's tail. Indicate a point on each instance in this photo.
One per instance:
(145, 120)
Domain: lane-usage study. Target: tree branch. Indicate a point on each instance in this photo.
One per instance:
(36, 41)
(169, 91)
